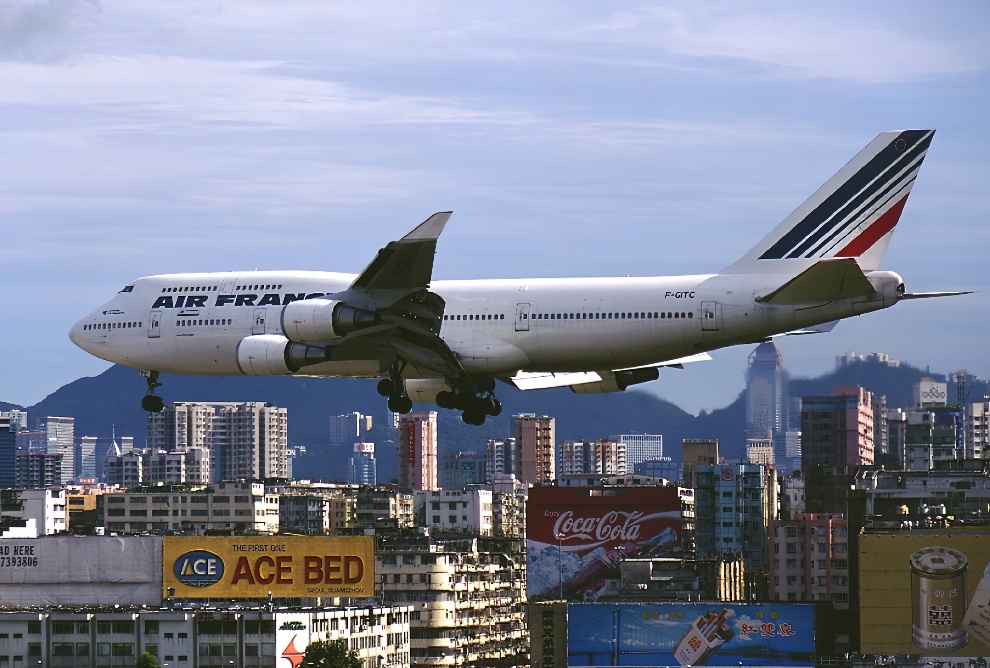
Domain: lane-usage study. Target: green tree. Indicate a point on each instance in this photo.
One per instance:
(148, 660)
(330, 654)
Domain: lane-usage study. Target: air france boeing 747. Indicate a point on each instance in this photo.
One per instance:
(450, 341)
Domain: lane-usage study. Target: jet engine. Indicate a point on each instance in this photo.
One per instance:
(323, 319)
(274, 355)
(617, 381)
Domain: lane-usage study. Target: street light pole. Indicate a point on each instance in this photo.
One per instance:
(560, 563)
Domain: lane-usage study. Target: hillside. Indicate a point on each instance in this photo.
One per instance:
(111, 401)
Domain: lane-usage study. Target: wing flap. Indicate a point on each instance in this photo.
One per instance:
(824, 281)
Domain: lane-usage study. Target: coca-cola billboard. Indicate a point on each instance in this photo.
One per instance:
(576, 536)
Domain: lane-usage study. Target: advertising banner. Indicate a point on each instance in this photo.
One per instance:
(292, 635)
(690, 634)
(252, 566)
(575, 536)
(926, 592)
(80, 570)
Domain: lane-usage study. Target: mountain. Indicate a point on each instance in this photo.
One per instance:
(112, 400)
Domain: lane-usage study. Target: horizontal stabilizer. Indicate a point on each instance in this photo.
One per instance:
(824, 281)
(928, 295)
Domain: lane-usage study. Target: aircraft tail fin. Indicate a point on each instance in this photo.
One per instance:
(852, 216)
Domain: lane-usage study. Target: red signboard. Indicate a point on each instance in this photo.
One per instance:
(577, 535)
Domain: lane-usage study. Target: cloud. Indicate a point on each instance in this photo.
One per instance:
(43, 30)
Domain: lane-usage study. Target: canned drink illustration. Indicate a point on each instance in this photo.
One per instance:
(938, 598)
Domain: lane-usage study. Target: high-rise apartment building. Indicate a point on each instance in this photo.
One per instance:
(837, 430)
(641, 448)
(602, 457)
(221, 440)
(417, 451)
(363, 468)
(461, 469)
(809, 559)
(502, 458)
(250, 441)
(978, 430)
(59, 438)
(349, 428)
(39, 470)
(536, 443)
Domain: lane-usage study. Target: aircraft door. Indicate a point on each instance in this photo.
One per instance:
(259, 321)
(522, 317)
(155, 325)
(711, 313)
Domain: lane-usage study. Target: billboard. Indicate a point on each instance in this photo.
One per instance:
(690, 634)
(926, 592)
(81, 570)
(252, 566)
(575, 536)
(368, 448)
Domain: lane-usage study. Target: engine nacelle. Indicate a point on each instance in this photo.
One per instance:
(323, 319)
(274, 355)
(425, 390)
(617, 381)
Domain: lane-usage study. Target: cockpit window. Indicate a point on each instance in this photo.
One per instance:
(128, 288)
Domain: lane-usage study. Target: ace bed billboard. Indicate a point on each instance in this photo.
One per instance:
(575, 536)
(253, 566)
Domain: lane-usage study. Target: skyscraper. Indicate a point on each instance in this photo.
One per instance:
(8, 451)
(536, 443)
(59, 438)
(418, 451)
(766, 397)
(250, 441)
(363, 468)
(86, 460)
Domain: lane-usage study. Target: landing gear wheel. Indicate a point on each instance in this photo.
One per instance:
(400, 404)
(492, 406)
(446, 400)
(152, 403)
(386, 387)
(474, 417)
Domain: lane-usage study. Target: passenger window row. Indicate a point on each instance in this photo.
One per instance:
(207, 322)
(259, 287)
(208, 288)
(488, 316)
(112, 325)
(642, 315)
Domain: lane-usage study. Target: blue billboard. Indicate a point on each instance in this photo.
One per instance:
(690, 634)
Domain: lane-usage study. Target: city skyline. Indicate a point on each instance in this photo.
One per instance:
(629, 139)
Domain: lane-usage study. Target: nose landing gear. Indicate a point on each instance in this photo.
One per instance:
(151, 402)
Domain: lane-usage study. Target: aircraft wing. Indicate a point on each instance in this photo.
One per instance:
(402, 267)
(824, 281)
(541, 380)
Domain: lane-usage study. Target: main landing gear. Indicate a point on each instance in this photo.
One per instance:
(391, 387)
(475, 406)
(151, 401)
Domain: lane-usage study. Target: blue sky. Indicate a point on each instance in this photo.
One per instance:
(577, 138)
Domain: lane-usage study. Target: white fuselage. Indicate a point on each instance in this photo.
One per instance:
(193, 323)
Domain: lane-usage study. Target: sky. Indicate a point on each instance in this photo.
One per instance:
(569, 139)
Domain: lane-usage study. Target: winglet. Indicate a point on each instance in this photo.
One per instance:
(429, 228)
(406, 265)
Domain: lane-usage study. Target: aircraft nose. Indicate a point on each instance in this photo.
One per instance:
(76, 335)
